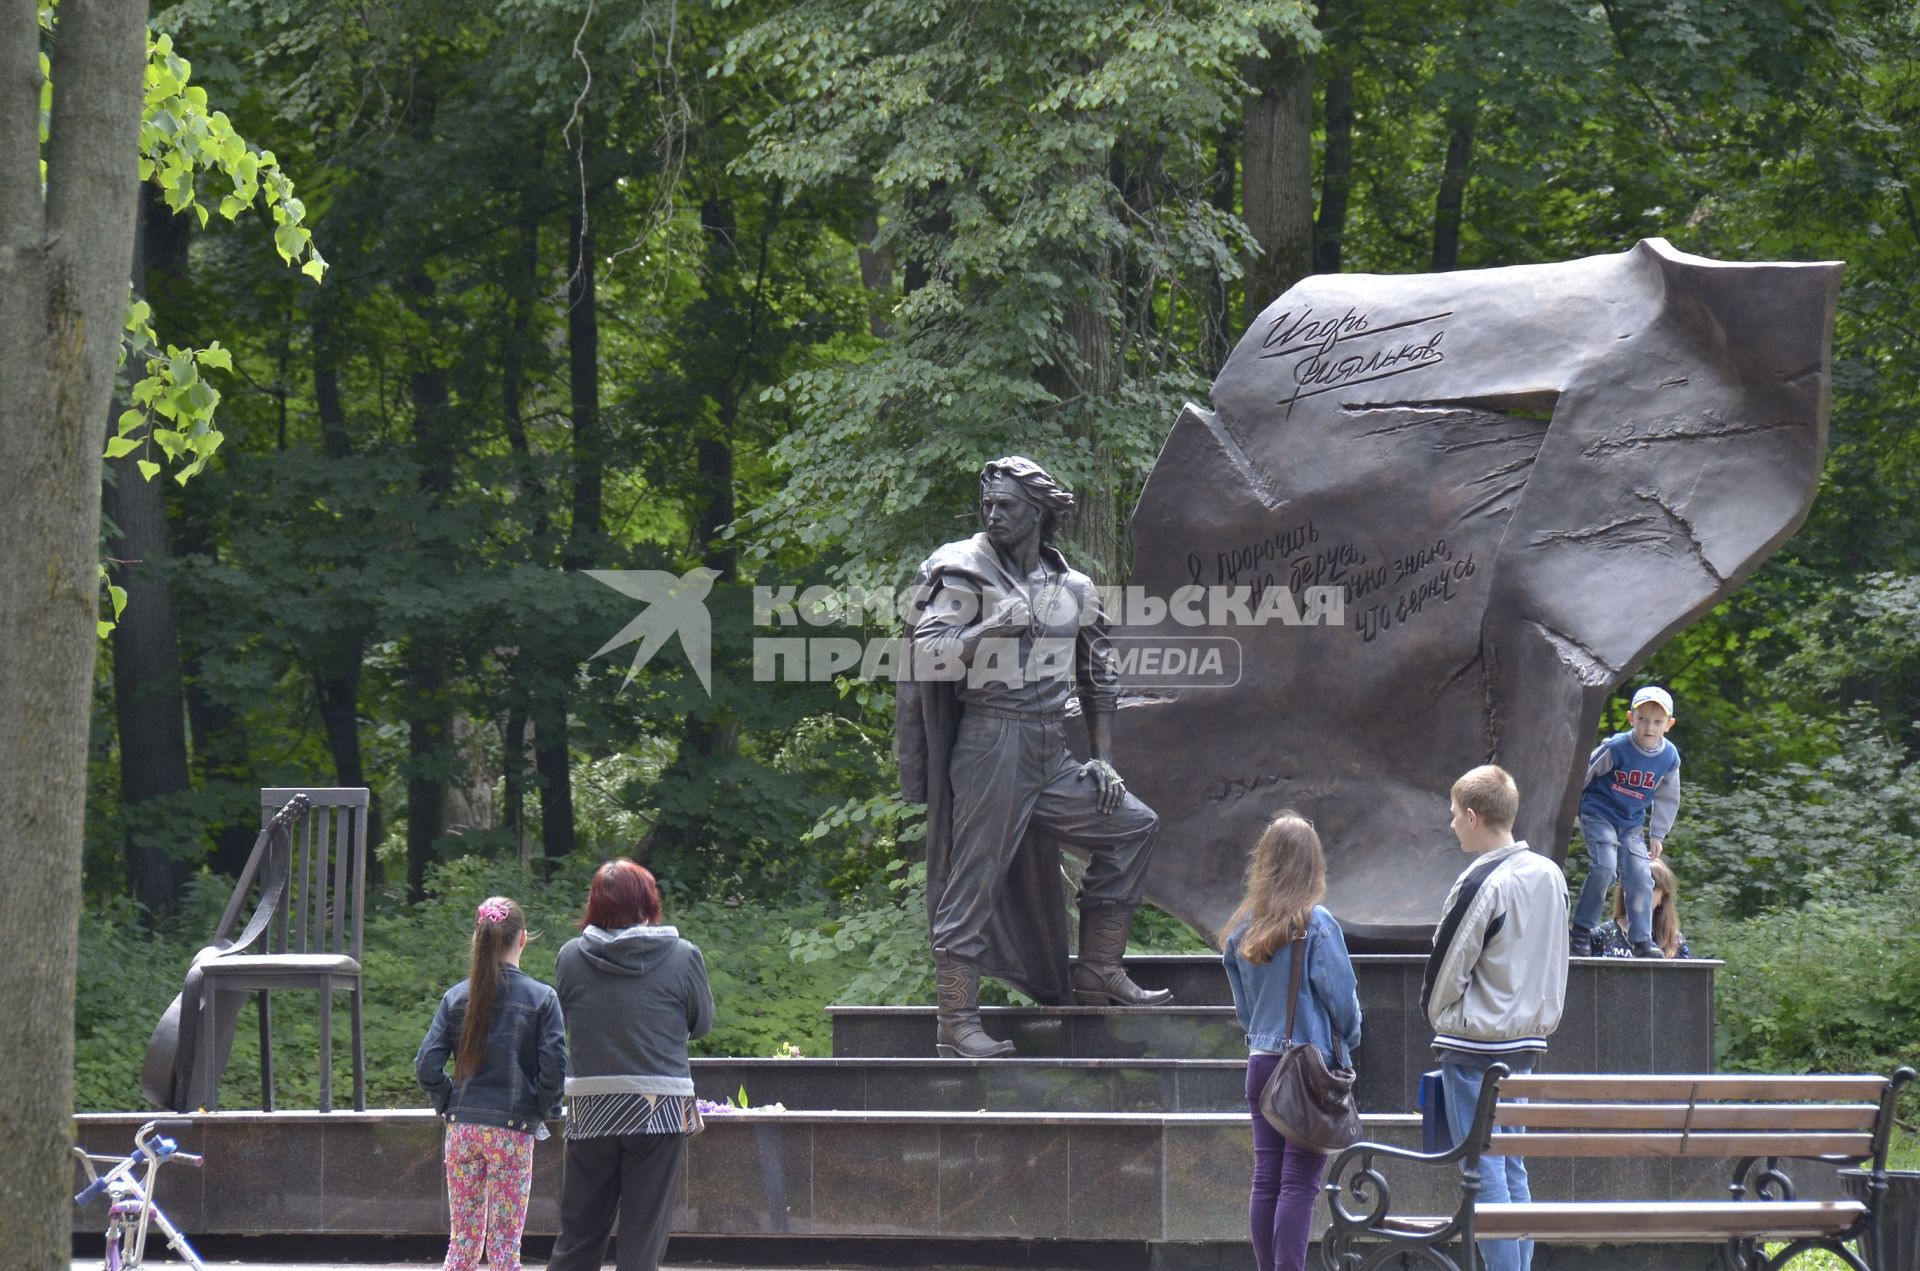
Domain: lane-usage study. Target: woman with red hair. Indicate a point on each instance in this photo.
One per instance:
(634, 994)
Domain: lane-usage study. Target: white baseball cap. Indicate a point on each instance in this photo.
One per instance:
(1658, 696)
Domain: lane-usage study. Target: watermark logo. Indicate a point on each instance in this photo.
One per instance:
(1165, 642)
(1180, 662)
(676, 605)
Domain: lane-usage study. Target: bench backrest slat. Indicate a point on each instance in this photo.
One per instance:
(1705, 1088)
(1854, 1146)
(1683, 1116)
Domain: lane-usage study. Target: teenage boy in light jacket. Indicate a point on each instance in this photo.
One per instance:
(1497, 978)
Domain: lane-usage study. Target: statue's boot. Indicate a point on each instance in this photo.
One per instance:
(960, 1035)
(1098, 978)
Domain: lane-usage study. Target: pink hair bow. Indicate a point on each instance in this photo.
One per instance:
(493, 911)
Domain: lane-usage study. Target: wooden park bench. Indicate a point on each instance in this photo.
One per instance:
(1755, 1121)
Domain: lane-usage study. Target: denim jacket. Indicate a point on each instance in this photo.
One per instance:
(1329, 1002)
(519, 1080)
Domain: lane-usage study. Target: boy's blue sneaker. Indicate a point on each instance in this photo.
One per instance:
(1581, 944)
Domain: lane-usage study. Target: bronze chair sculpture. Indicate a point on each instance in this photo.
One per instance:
(308, 872)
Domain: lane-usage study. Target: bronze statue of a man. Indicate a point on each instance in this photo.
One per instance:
(1003, 633)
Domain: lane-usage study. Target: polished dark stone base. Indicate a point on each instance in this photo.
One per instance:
(1119, 1139)
(1152, 1178)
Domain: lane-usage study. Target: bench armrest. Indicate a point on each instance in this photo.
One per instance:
(1361, 1199)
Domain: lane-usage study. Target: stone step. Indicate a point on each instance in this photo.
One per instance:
(976, 1085)
(1622, 1015)
(1059, 1040)
(1054, 1032)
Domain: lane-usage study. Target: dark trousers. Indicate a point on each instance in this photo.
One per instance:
(637, 1177)
(1012, 774)
(1286, 1183)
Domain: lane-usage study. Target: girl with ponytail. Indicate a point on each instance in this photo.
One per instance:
(503, 1030)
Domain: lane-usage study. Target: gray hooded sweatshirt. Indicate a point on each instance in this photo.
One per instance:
(633, 999)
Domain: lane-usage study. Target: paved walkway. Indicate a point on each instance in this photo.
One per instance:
(168, 1262)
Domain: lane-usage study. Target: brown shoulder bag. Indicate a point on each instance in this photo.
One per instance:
(1310, 1104)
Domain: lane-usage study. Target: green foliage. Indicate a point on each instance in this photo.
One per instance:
(171, 390)
(1803, 879)
(763, 1001)
(1830, 987)
(116, 599)
(765, 1004)
(1045, 180)
(1842, 829)
(886, 941)
(180, 139)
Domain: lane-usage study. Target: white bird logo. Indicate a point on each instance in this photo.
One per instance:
(676, 605)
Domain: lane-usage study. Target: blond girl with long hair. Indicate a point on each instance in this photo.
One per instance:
(1612, 938)
(1286, 881)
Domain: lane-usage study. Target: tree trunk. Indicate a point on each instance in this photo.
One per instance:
(340, 655)
(583, 383)
(513, 356)
(513, 363)
(427, 754)
(429, 712)
(149, 710)
(933, 226)
(550, 726)
(876, 274)
(1277, 173)
(216, 732)
(1221, 331)
(336, 685)
(1089, 373)
(1340, 22)
(64, 260)
(712, 494)
(1448, 202)
(513, 750)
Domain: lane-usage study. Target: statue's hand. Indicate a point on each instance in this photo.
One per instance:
(1112, 788)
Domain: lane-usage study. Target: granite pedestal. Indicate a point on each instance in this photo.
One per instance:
(1117, 1139)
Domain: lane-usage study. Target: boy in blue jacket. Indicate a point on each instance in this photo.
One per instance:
(1633, 778)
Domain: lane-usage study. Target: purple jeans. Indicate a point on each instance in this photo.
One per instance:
(1286, 1182)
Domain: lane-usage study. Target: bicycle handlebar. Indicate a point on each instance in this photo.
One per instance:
(162, 1149)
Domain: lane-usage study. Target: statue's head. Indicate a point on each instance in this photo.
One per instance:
(1031, 482)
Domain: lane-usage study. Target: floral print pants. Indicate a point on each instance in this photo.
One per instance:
(489, 1176)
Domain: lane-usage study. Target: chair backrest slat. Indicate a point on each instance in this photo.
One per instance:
(1694, 1117)
(338, 920)
(1704, 1088)
(317, 900)
(1854, 1146)
(361, 850)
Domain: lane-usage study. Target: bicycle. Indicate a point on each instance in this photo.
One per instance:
(131, 1208)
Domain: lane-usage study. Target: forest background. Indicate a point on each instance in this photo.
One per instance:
(625, 284)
